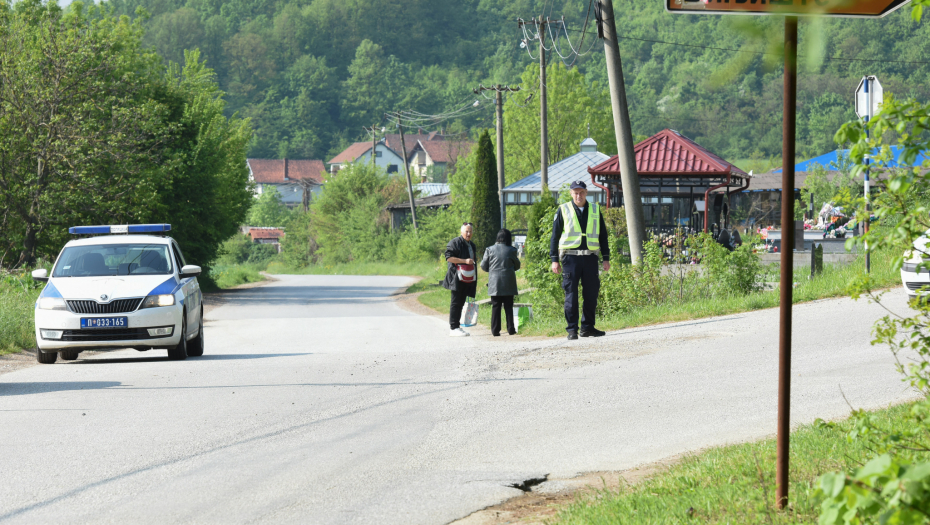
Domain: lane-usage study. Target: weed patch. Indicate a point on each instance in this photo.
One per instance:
(18, 295)
(734, 484)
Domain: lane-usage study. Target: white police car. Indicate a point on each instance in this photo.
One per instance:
(917, 283)
(119, 291)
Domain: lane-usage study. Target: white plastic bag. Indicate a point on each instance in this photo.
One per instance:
(469, 314)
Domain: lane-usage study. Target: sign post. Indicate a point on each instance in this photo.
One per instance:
(869, 98)
(791, 10)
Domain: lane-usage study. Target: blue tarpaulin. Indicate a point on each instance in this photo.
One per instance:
(831, 162)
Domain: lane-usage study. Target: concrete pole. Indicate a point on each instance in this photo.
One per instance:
(374, 144)
(543, 110)
(501, 180)
(403, 146)
(632, 197)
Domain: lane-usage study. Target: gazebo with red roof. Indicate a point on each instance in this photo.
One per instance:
(671, 167)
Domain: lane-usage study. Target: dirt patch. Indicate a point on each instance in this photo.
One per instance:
(546, 499)
(411, 303)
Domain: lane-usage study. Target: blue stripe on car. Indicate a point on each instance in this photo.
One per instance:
(50, 291)
(168, 287)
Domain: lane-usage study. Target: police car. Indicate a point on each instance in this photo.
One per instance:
(122, 286)
(917, 282)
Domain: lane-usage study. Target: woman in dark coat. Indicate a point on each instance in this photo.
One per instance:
(501, 262)
(459, 251)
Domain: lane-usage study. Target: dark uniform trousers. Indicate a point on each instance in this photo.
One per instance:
(580, 269)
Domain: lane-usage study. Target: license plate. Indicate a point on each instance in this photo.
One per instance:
(104, 322)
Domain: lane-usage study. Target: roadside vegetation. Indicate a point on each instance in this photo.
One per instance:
(736, 484)
(548, 319)
(18, 295)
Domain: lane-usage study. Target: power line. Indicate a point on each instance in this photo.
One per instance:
(703, 120)
(699, 46)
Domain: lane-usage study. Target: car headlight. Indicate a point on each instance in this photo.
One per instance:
(154, 301)
(52, 303)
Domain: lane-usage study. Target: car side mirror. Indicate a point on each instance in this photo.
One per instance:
(190, 271)
(40, 275)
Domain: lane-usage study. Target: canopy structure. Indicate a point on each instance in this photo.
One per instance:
(672, 169)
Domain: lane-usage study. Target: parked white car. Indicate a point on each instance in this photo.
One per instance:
(122, 287)
(913, 280)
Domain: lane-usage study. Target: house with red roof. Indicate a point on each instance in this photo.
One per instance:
(430, 156)
(385, 157)
(292, 178)
(432, 160)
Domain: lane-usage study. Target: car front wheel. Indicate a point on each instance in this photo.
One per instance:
(195, 345)
(179, 352)
(69, 356)
(46, 358)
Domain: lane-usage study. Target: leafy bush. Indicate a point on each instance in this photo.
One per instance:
(18, 294)
(626, 287)
(548, 297)
(727, 272)
(269, 210)
(894, 486)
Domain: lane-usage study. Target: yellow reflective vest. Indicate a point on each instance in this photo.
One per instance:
(572, 232)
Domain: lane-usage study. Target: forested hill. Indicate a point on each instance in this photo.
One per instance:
(311, 73)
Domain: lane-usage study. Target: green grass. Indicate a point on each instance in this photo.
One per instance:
(17, 314)
(732, 484)
(229, 276)
(832, 282)
(417, 269)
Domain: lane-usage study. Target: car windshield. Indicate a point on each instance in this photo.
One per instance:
(113, 259)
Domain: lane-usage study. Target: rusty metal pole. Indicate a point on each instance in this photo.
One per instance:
(787, 260)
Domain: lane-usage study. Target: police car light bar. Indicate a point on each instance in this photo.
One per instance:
(121, 228)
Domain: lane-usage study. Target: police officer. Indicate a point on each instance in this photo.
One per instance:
(579, 238)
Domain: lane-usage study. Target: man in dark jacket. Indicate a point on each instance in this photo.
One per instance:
(579, 239)
(459, 251)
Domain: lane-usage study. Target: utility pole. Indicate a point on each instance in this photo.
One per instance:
(403, 146)
(543, 111)
(632, 198)
(499, 101)
(540, 26)
(374, 141)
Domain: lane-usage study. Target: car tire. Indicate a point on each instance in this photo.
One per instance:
(69, 356)
(46, 358)
(179, 352)
(195, 345)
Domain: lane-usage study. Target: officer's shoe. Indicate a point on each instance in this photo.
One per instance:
(592, 332)
(572, 335)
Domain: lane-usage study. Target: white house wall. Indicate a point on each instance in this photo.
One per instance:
(387, 159)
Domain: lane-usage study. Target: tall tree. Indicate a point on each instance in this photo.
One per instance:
(94, 129)
(207, 193)
(486, 206)
(79, 129)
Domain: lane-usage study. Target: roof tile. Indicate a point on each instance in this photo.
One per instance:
(669, 153)
(445, 150)
(272, 171)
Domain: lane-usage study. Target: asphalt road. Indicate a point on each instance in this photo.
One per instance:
(319, 400)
